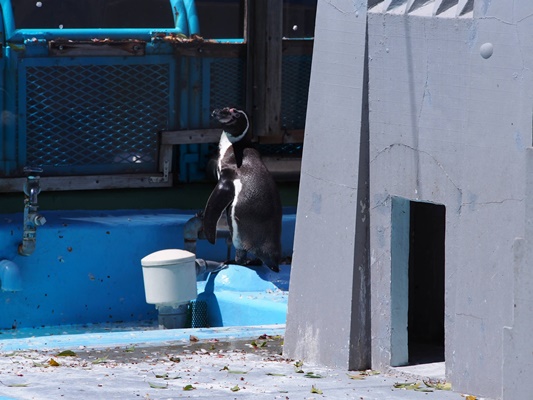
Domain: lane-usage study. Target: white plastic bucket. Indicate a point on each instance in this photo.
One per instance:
(169, 277)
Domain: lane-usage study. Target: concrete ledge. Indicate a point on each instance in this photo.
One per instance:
(138, 338)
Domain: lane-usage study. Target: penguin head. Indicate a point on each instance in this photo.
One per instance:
(235, 122)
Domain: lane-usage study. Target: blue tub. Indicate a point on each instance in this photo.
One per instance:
(86, 270)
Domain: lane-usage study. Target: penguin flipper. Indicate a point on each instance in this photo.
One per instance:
(220, 198)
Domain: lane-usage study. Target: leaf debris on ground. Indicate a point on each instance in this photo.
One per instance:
(358, 376)
(233, 371)
(298, 367)
(316, 390)
(15, 384)
(416, 386)
(438, 384)
(158, 386)
(101, 360)
(167, 377)
(67, 353)
(53, 363)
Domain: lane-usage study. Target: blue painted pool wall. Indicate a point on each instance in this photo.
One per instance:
(241, 296)
(86, 267)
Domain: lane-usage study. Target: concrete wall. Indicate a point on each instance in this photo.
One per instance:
(517, 343)
(450, 95)
(450, 126)
(328, 282)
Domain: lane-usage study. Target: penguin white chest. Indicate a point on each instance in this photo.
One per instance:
(223, 145)
(236, 239)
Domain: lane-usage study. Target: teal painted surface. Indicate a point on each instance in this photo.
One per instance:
(400, 280)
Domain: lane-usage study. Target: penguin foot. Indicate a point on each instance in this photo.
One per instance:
(245, 263)
(253, 263)
(274, 268)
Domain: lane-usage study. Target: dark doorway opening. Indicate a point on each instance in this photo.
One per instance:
(426, 282)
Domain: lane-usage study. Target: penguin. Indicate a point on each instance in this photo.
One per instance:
(247, 192)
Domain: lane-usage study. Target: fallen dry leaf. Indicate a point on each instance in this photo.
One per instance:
(313, 375)
(67, 353)
(316, 390)
(53, 363)
(439, 385)
(158, 386)
(15, 384)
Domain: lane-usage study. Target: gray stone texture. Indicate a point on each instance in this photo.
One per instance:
(450, 101)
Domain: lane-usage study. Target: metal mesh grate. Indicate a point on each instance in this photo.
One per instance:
(198, 314)
(89, 115)
(296, 71)
(227, 80)
(282, 149)
(227, 89)
(293, 149)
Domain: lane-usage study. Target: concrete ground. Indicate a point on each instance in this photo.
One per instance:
(228, 363)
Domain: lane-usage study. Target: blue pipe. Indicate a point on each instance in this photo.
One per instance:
(12, 140)
(3, 155)
(184, 17)
(8, 19)
(79, 34)
(192, 17)
(180, 16)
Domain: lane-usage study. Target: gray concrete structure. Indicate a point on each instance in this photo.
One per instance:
(450, 94)
(329, 282)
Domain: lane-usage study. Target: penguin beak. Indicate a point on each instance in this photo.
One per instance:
(222, 115)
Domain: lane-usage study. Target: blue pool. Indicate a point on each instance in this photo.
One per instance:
(85, 274)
